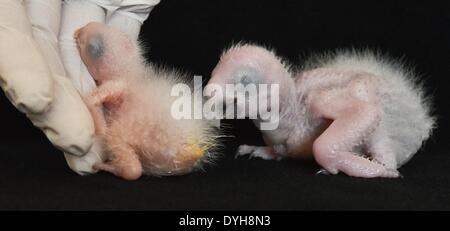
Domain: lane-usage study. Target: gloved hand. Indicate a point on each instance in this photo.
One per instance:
(33, 77)
(32, 74)
(125, 15)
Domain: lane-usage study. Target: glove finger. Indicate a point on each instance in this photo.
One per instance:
(24, 75)
(129, 26)
(84, 165)
(129, 16)
(45, 28)
(76, 14)
(68, 124)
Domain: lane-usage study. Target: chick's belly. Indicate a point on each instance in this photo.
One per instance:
(301, 145)
(301, 150)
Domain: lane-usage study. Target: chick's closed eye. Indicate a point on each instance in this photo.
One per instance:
(96, 46)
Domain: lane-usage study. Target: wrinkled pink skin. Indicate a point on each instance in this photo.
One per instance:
(325, 113)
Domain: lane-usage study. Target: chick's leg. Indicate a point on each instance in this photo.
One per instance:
(124, 163)
(110, 92)
(354, 121)
(333, 149)
(97, 116)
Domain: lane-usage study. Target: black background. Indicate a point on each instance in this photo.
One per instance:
(189, 36)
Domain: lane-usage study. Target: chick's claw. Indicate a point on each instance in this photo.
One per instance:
(265, 153)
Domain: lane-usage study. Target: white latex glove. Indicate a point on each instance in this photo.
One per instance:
(32, 75)
(126, 15)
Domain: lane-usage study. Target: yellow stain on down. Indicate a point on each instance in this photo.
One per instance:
(192, 152)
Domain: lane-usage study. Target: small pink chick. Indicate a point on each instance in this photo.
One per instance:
(131, 108)
(354, 112)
